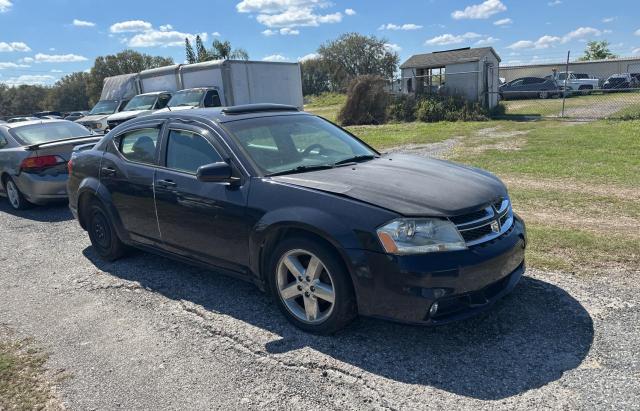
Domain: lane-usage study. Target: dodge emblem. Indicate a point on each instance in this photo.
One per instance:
(495, 227)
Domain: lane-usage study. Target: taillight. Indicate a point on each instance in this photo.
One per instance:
(41, 162)
(70, 166)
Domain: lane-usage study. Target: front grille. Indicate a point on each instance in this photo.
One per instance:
(486, 224)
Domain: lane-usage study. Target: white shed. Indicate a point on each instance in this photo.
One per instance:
(468, 72)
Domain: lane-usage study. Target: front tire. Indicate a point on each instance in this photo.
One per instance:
(15, 197)
(311, 286)
(103, 235)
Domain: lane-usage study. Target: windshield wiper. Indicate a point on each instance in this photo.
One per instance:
(302, 169)
(355, 159)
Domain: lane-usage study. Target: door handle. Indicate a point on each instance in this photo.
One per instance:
(108, 171)
(166, 183)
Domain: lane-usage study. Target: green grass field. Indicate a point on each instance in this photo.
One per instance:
(577, 185)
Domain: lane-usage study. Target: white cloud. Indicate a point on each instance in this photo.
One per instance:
(216, 34)
(29, 79)
(5, 6)
(58, 58)
(636, 51)
(159, 38)
(637, 33)
(581, 33)
(309, 56)
(285, 31)
(405, 27)
(27, 60)
(130, 26)
(14, 46)
(480, 11)
(275, 57)
(608, 19)
(393, 47)
(522, 44)
(166, 27)
(487, 41)
(350, 12)
(10, 65)
(446, 39)
(554, 3)
(56, 71)
(289, 13)
(502, 22)
(83, 23)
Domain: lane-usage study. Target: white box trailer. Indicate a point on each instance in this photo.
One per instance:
(247, 82)
(160, 79)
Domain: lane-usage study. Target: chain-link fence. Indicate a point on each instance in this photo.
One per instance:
(574, 90)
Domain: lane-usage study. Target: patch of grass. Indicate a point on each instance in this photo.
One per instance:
(603, 152)
(21, 384)
(612, 105)
(326, 99)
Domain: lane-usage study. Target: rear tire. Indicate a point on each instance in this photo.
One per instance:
(103, 235)
(15, 197)
(304, 294)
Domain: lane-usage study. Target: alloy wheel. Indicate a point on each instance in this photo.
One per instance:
(13, 194)
(305, 286)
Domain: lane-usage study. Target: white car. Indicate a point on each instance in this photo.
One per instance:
(575, 81)
(140, 105)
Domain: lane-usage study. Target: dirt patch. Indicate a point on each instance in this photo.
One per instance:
(621, 225)
(623, 193)
(442, 149)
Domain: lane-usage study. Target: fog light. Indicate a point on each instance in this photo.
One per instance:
(434, 309)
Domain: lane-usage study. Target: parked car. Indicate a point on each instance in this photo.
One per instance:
(307, 211)
(201, 97)
(76, 115)
(571, 81)
(620, 81)
(21, 119)
(33, 159)
(48, 114)
(140, 105)
(96, 120)
(529, 87)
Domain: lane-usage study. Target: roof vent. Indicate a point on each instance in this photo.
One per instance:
(257, 108)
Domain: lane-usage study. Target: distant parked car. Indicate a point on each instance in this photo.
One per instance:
(33, 159)
(140, 105)
(574, 81)
(21, 119)
(47, 114)
(529, 87)
(621, 81)
(76, 115)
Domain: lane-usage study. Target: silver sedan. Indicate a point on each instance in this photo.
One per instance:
(33, 159)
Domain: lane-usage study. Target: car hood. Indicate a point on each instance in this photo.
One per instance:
(93, 118)
(126, 115)
(409, 185)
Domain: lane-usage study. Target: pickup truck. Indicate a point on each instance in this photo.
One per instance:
(574, 81)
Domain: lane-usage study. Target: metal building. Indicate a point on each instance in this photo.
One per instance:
(468, 72)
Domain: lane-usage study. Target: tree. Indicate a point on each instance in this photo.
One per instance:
(315, 77)
(597, 50)
(22, 100)
(352, 55)
(125, 62)
(191, 56)
(70, 93)
(221, 50)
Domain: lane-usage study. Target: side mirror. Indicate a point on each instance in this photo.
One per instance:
(219, 172)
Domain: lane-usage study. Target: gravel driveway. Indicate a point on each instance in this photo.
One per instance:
(148, 333)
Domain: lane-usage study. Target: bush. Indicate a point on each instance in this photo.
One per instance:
(435, 108)
(499, 110)
(402, 108)
(366, 103)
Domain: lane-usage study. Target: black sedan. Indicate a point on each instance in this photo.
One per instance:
(529, 87)
(305, 210)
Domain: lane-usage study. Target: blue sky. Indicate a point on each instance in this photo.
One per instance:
(40, 41)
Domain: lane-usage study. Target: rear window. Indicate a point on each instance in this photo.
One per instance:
(47, 132)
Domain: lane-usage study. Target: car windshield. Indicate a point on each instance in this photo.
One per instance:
(141, 103)
(104, 107)
(562, 76)
(186, 98)
(46, 132)
(296, 143)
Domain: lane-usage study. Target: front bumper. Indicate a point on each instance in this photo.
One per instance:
(42, 188)
(403, 288)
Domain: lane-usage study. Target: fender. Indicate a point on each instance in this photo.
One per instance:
(304, 218)
(92, 185)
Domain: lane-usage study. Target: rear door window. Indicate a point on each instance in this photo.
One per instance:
(140, 146)
(187, 151)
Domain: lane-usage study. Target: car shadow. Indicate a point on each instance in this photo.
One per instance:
(53, 212)
(525, 341)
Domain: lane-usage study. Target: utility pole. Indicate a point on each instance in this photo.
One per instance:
(566, 77)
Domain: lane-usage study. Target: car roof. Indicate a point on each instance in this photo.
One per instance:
(32, 122)
(228, 114)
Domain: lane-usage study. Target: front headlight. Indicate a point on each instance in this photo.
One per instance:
(420, 235)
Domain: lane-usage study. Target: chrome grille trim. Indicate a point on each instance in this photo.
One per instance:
(499, 212)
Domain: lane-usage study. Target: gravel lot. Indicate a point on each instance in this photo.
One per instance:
(147, 333)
